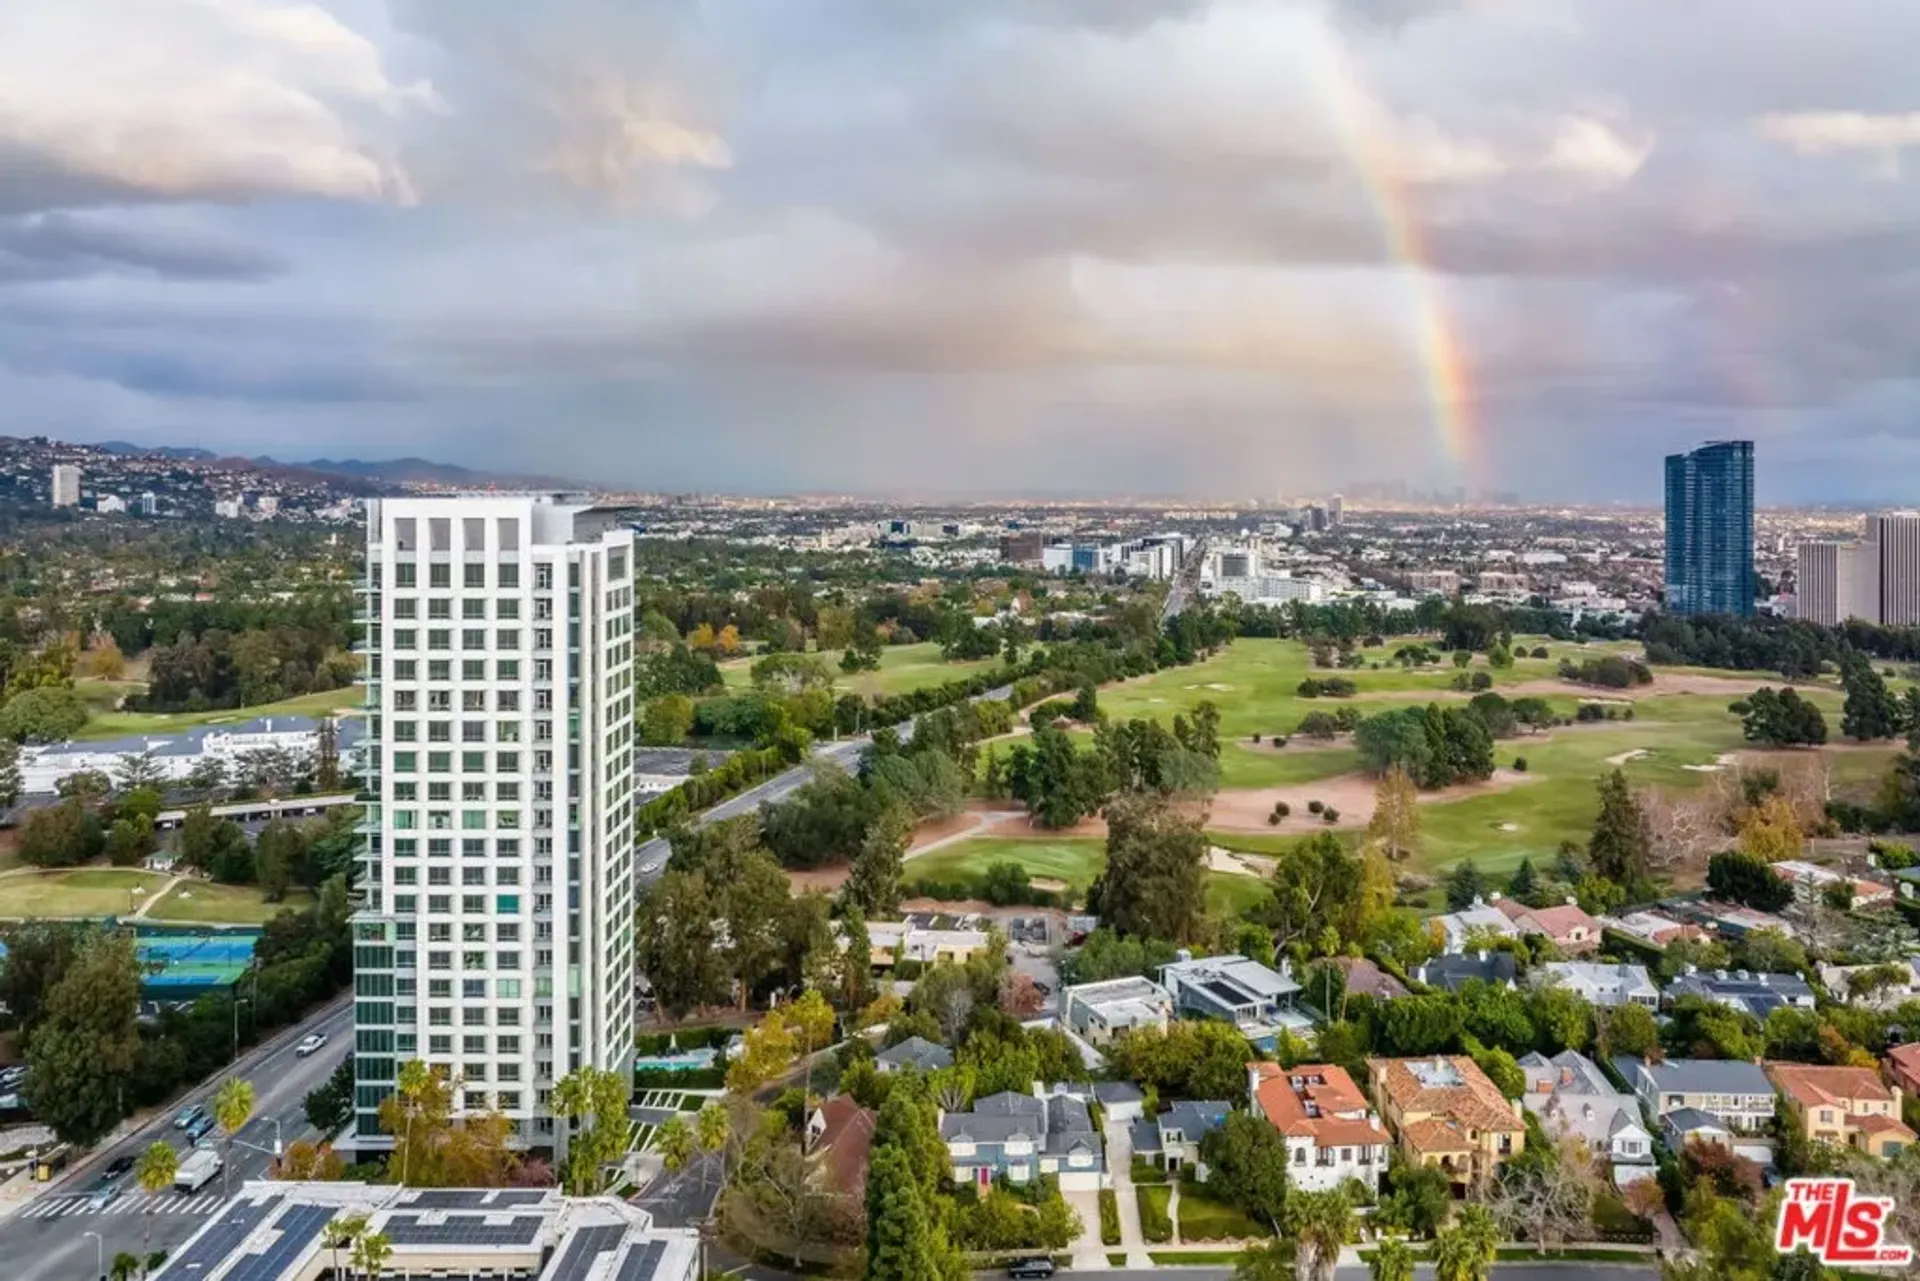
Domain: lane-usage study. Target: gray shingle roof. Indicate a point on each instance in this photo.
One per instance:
(918, 1052)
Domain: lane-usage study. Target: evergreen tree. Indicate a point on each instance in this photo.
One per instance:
(1910, 718)
(81, 1055)
(874, 881)
(326, 756)
(1464, 884)
(1523, 884)
(1620, 849)
(1154, 885)
(902, 1241)
(1871, 711)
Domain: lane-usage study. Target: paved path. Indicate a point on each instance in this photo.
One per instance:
(983, 823)
(149, 900)
(1120, 1166)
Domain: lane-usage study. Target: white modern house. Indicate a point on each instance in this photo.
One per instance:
(1098, 1012)
(1258, 999)
(1479, 921)
(495, 939)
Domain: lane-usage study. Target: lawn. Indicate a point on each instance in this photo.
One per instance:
(903, 669)
(1074, 861)
(1155, 1224)
(1204, 1219)
(78, 892)
(204, 903)
(106, 723)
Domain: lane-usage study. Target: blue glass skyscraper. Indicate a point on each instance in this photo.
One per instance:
(1710, 529)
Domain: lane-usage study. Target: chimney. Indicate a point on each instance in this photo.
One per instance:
(1572, 901)
(1479, 901)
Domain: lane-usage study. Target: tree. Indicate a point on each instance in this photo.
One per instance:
(1268, 1261)
(767, 1053)
(308, 1162)
(280, 849)
(1740, 877)
(38, 955)
(1247, 1162)
(370, 1254)
(674, 1142)
(1523, 884)
(1465, 1251)
(1627, 1029)
(1464, 886)
(1871, 711)
(63, 835)
(903, 1240)
(1780, 718)
(1204, 1059)
(598, 1099)
(130, 840)
(1321, 1224)
(430, 1148)
(666, 721)
(342, 1234)
(1322, 890)
(1394, 828)
(1620, 848)
(1058, 783)
(1154, 884)
(1392, 1260)
(153, 1171)
(87, 1044)
(49, 714)
(1546, 1195)
(1770, 831)
(10, 780)
(677, 945)
(873, 885)
(232, 1109)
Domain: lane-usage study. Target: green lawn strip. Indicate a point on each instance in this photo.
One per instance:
(78, 892)
(1073, 860)
(1155, 1224)
(1204, 1219)
(112, 724)
(903, 669)
(1116, 1260)
(205, 903)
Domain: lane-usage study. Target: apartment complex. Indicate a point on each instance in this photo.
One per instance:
(495, 936)
(1709, 552)
(1875, 578)
(65, 485)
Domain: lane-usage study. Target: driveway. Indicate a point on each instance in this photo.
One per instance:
(1120, 1167)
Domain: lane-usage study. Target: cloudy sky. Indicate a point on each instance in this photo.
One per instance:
(1218, 247)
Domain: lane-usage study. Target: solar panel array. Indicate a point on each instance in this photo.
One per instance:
(298, 1228)
(471, 1199)
(583, 1250)
(641, 1262)
(212, 1246)
(462, 1229)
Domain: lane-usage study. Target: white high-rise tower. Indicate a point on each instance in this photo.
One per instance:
(495, 934)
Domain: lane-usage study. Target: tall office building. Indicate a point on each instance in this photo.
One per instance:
(1896, 539)
(1838, 581)
(1710, 529)
(1336, 511)
(66, 485)
(495, 933)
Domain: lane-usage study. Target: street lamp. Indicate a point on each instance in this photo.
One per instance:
(238, 1001)
(276, 1135)
(99, 1255)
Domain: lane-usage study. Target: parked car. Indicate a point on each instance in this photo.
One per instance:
(1035, 1267)
(188, 1115)
(309, 1043)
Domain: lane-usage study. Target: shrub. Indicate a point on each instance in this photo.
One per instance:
(1256, 738)
(1281, 810)
(1539, 651)
(1155, 1224)
(1519, 764)
(1279, 740)
(1314, 807)
(1330, 815)
(1109, 1217)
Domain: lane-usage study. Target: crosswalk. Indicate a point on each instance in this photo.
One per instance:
(164, 1203)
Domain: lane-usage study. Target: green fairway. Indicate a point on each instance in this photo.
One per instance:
(205, 903)
(111, 724)
(903, 669)
(81, 892)
(1073, 861)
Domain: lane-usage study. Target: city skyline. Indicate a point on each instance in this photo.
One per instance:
(1195, 247)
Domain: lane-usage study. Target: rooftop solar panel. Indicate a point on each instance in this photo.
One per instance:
(583, 1249)
(462, 1229)
(211, 1247)
(471, 1199)
(297, 1229)
(641, 1262)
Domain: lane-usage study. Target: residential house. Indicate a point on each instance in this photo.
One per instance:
(1903, 1067)
(1171, 1140)
(839, 1139)
(912, 941)
(1448, 1115)
(1602, 984)
(1845, 1106)
(1732, 1090)
(1810, 881)
(1455, 971)
(1570, 929)
(1120, 1100)
(1332, 1136)
(1735, 923)
(1755, 994)
(1364, 978)
(1262, 1002)
(916, 1053)
(1651, 928)
(1018, 1137)
(1691, 1125)
(1098, 1012)
(1571, 1095)
(1475, 922)
(1839, 981)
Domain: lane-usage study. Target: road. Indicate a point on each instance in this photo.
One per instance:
(1571, 1271)
(46, 1240)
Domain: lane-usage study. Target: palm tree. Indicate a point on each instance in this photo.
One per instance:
(154, 1173)
(711, 1128)
(674, 1142)
(1465, 1251)
(232, 1109)
(1392, 1260)
(1320, 1223)
(341, 1234)
(415, 1078)
(124, 1267)
(370, 1254)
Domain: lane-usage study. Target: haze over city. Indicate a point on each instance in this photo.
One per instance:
(1111, 246)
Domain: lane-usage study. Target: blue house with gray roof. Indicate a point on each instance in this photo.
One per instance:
(1018, 1137)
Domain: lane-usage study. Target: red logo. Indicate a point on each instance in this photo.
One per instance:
(1839, 1226)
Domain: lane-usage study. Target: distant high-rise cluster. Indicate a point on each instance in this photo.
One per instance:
(1875, 579)
(1710, 529)
(66, 485)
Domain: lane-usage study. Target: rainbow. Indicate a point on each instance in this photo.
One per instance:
(1449, 388)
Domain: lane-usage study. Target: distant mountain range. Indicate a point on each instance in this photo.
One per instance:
(391, 471)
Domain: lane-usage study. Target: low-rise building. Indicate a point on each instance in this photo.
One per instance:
(1476, 923)
(1845, 1106)
(839, 1138)
(1902, 1065)
(1364, 978)
(1332, 1136)
(1735, 923)
(1098, 1012)
(907, 941)
(1652, 928)
(1018, 1137)
(1736, 1092)
(1888, 985)
(1453, 972)
(1602, 984)
(277, 1232)
(1755, 994)
(916, 1054)
(1259, 1000)
(1810, 881)
(1448, 1115)
(1171, 1141)
(1568, 927)
(1571, 1095)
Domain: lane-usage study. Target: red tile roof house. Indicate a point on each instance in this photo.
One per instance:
(1903, 1067)
(839, 1140)
(1572, 930)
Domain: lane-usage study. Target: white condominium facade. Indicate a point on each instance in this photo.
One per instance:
(66, 485)
(494, 938)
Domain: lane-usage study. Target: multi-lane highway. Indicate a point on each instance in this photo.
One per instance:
(47, 1239)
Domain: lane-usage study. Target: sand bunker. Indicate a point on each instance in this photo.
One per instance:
(1351, 795)
(1623, 757)
(1236, 864)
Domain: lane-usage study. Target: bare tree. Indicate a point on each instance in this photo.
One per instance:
(1550, 1202)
